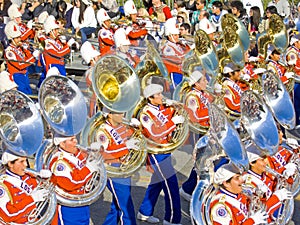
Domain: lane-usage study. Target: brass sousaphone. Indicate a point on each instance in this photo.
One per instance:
(117, 87)
(64, 108)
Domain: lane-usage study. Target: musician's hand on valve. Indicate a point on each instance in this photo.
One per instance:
(92, 165)
(30, 24)
(135, 122)
(290, 170)
(283, 194)
(71, 42)
(169, 102)
(132, 143)
(36, 54)
(292, 142)
(45, 174)
(178, 119)
(289, 75)
(260, 217)
(96, 146)
(39, 195)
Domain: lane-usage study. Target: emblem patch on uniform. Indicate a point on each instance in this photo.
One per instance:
(145, 118)
(222, 211)
(60, 167)
(10, 54)
(102, 138)
(2, 191)
(168, 50)
(192, 102)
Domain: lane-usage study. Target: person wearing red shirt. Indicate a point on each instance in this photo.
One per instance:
(160, 10)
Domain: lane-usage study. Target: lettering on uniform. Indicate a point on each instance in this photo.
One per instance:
(244, 209)
(25, 187)
(116, 136)
(80, 164)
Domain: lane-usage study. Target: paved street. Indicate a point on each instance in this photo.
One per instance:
(183, 164)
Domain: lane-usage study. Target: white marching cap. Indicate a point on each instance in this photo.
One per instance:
(58, 140)
(12, 30)
(102, 16)
(52, 72)
(129, 8)
(152, 89)
(8, 157)
(230, 67)
(259, 70)
(43, 16)
(194, 77)
(6, 83)
(121, 38)
(50, 24)
(253, 152)
(171, 27)
(224, 173)
(253, 59)
(294, 39)
(13, 11)
(253, 156)
(88, 52)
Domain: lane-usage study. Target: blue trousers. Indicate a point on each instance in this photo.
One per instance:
(122, 208)
(74, 215)
(189, 185)
(297, 102)
(61, 69)
(85, 31)
(164, 178)
(23, 82)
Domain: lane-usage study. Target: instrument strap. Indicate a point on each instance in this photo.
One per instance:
(114, 134)
(158, 114)
(22, 185)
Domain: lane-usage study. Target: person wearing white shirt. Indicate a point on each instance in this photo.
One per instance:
(283, 7)
(250, 3)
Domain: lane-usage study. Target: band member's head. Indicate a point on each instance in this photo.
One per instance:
(14, 163)
(13, 33)
(7, 83)
(14, 13)
(130, 10)
(171, 30)
(69, 144)
(185, 29)
(198, 80)
(115, 118)
(153, 92)
(103, 18)
(232, 71)
(228, 177)
(256, 159)
(89, 54)
(51, 27)
(273, 53)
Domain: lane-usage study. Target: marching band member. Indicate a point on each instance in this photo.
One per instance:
(258, 178)
(232, 89)
(90, 55)
(133, 31)
(105, 34)
(229, 206)
(18, 57)
(122, 48)
(19, 192)
(173, 52)
(115, 138)
(55, 50)
(26, 30)
(158, 122)
(160, 10)
(84, 19)
(196, 104)
(71, 171)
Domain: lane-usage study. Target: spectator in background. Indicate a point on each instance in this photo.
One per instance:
(4, 5)
(184, 29)
(264, 25)
(68, 15)
(250, 3)
(111, 6)
(200, 5)
(283, 7)
(255, 18)
(160, 10)
(84, 19)
(60, 11)
(182, 10)
(217, 13)
(238, 10)
(191, 7)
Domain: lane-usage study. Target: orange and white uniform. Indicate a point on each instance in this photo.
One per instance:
(197, 103)
(26, 32)
(293, 54)
(278, 69)
(113, 139)
(173, 55)
(232, 95)
(17, 57)
(227, 208)
(157, 123)
(279, 159)
(267, 183)
(69, 171)
(106, 40)
(134, 32)
(15, 200)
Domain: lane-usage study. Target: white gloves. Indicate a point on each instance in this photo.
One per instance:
(260, 217)
(292, 143)
(290, 170)
(246, 77)
(45, 174)
(289, 75)
(95, 146)
(30, 24)
(169, 102)
(178, 119)
(39, 195)
(71, 42)
(218, 88)
(92, 165)
(132, 143)
(283, 194)
(135, 122)
(36, 54)
(63, 39)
